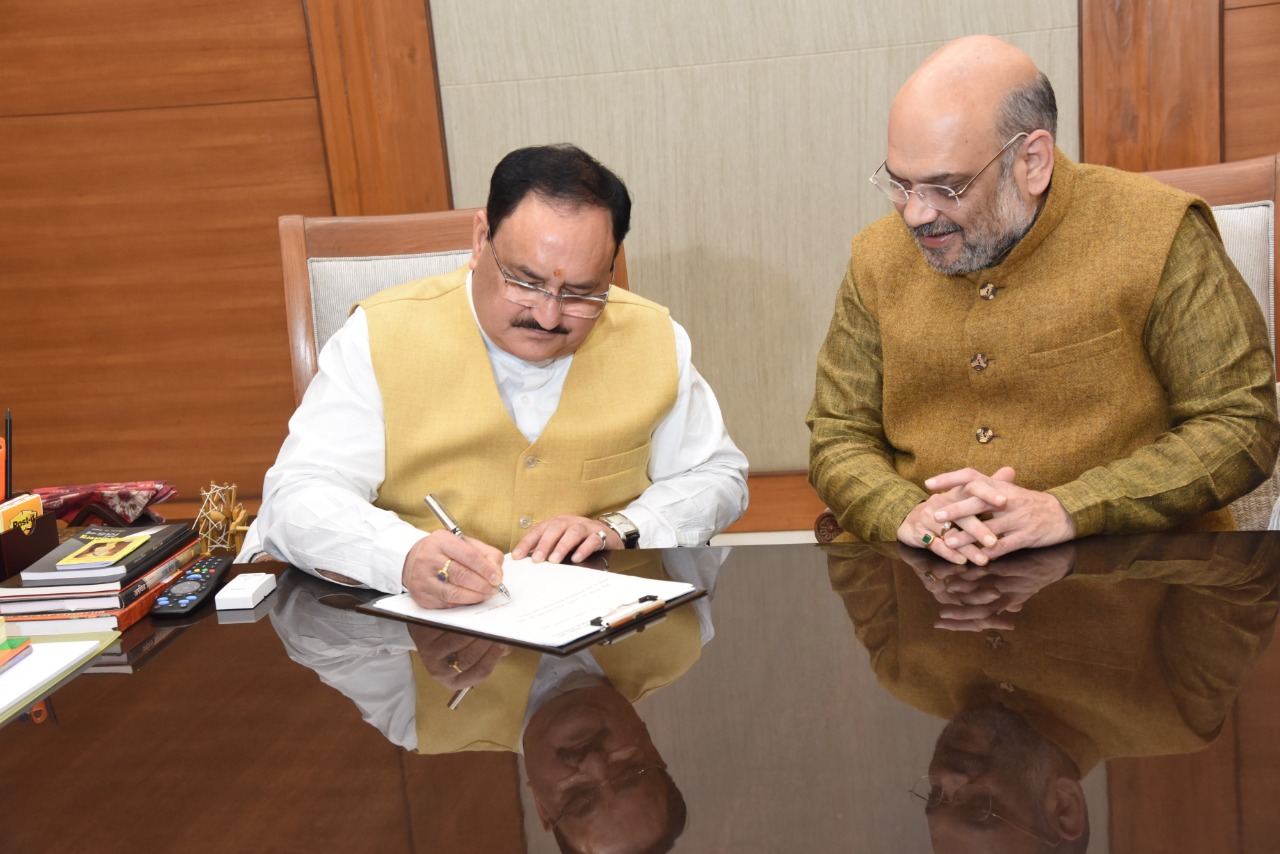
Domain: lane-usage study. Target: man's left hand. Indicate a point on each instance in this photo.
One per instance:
(575, 537)
(1024, 519)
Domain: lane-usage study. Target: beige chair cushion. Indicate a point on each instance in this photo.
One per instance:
(1248, 233)
(337, 284)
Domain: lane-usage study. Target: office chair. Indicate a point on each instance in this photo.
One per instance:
(331, 263)
(1243, 196)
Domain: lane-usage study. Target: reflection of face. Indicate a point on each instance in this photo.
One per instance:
(562, 250)
(996, 748)
(582, 739)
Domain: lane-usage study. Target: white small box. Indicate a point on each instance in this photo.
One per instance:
(245, 591)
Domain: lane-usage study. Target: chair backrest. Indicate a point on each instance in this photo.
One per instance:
(1243, 196)
(331, 263)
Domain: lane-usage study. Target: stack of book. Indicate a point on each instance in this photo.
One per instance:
(72, 590)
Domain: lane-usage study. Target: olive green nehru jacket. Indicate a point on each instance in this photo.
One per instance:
(1114, 358)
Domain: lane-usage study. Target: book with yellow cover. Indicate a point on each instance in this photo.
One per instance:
(103, 552)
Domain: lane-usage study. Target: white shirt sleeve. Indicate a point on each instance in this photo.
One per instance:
(317, 511)
(699, 477)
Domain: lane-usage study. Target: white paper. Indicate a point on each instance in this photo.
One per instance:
(45, 662)
(551, 604)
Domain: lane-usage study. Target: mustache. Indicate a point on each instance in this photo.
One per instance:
(528, 322)
(933, 229)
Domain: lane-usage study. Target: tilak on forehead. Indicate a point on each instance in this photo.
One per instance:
(558, 272)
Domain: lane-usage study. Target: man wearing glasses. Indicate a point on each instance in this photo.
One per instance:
(1030, 349)
(553, 415)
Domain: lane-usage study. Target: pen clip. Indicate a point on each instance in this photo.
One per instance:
(629, 612)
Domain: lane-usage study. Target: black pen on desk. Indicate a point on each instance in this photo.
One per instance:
(451, 526)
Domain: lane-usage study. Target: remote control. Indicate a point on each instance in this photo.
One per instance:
(200, 580)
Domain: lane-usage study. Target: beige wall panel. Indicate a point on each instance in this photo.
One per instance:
(749, 177)
(62, 56)
(490, 41)
(144, 332)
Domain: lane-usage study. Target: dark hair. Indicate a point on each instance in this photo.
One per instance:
(563, 174)
(1027, 108)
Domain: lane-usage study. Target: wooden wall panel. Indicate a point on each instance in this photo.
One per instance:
(1259, 729)
(375, 69)
(63, 56)
(1145, 795)
(1150, 83)
(141, 296)
(1251, 80)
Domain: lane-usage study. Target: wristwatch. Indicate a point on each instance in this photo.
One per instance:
(623, 527)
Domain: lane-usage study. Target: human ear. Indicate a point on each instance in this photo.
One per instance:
(1037, 157)
(479, 234)
(1068, 813)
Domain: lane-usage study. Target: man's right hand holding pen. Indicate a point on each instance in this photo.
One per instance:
(444, 571)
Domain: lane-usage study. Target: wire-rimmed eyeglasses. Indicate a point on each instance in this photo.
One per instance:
(972, 800)
(582, 801)
(937, 196)
(531, 296)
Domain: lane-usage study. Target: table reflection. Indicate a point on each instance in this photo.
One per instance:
(1047, 662)
(595, 775)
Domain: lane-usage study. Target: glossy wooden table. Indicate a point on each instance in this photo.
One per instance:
(784, 732)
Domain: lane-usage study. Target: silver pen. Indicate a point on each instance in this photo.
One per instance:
(451, 526)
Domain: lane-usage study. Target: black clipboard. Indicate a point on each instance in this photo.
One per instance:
(611, 633)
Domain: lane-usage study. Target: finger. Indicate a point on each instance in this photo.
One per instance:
(975, 531)
(548, 535)
(994, 622)
(994, 493)
(598, 541)
(573, 536)
(951, 479)
(967, 506)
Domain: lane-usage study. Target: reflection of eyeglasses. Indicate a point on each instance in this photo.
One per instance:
(971, 800)
(532, 296)
(937, 196)
(581, 800)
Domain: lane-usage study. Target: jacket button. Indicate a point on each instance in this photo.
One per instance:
(526, 522)
(530, 462)
(988, 291)
(979, 361)
(1007, 687)
(994, 640)
(984, 435)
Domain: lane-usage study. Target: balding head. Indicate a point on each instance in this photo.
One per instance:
(954, 100)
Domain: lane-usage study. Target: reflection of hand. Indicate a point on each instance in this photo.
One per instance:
(440, 651)
(973, 599)
(1021, 518)
(474, 569)
(576, 537)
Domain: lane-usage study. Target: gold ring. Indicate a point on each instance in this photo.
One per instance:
(929, 576)
(927, 538)
(452, 661)
(443, 574)
(946, 526)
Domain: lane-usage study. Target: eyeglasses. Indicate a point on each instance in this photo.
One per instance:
(582, 800)
(937, 196)
(971, 800)
(532, 296)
